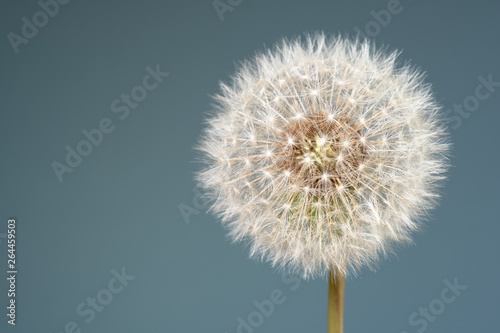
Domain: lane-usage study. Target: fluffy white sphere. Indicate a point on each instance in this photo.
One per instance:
(322, 154)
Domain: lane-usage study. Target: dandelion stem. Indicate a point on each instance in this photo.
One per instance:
(336, 293)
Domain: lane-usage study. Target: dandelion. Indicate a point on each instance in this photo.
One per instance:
(322, 155)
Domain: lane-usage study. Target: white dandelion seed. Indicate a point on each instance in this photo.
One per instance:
(347, 151)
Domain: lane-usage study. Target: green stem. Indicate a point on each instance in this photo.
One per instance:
(336, 293)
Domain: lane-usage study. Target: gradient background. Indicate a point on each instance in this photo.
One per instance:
(120, 206)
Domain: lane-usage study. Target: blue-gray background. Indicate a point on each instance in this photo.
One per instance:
(121, 207)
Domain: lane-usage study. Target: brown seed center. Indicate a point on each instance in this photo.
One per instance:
(321, 152)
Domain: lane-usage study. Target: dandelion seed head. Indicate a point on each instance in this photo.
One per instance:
(323, 154)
